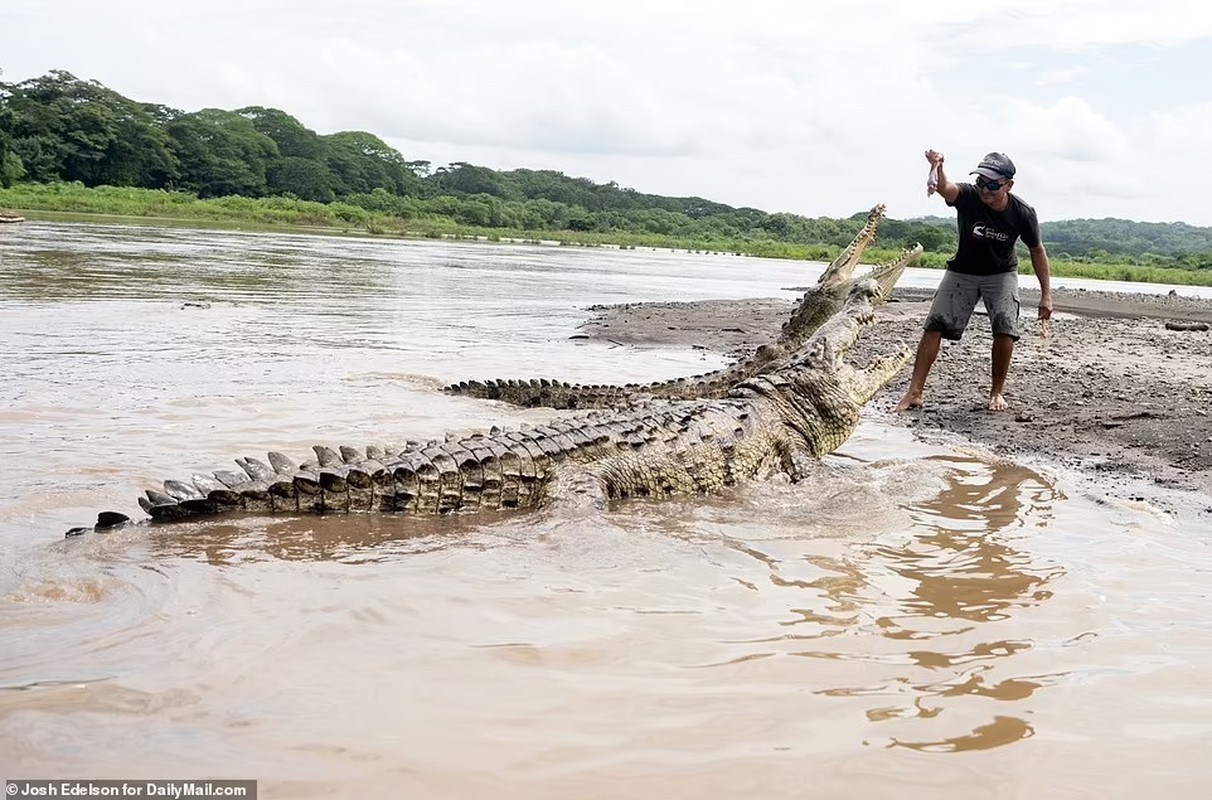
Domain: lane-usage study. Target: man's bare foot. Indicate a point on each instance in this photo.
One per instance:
(910, 400)
(997, 403)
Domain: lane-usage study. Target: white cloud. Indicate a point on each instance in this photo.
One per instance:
(1060, 76)
(773, 103)
(1070, 129)
(1093, 23)
(541, 96)
(1188, 128)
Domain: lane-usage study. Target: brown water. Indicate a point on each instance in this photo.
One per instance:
(915, 621)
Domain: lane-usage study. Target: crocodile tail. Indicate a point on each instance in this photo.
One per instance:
(496, 471)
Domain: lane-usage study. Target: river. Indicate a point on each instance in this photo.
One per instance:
(912, 621)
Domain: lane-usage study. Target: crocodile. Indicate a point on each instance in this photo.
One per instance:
(816, 305)
(784, 419)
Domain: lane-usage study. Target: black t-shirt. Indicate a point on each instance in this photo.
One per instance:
(986, 237)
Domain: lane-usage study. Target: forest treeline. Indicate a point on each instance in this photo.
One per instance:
(59, 128)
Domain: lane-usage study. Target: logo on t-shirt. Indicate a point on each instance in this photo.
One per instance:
(980, 231)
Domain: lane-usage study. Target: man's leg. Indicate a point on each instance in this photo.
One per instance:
(927, 351)
(1002, 303)
(950, 311)
(1003, 350)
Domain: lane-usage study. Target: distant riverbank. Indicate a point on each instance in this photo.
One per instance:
(143, 206)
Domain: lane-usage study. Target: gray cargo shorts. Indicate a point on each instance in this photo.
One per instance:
(956, 298)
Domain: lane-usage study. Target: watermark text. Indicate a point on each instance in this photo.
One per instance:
(172, 789)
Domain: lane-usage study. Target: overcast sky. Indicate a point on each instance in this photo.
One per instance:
(811, 108)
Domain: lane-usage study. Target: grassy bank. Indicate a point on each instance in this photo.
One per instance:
(276, 213)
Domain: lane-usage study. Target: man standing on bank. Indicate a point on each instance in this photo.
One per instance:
(985, 266)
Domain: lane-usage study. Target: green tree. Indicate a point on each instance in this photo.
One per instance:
(932, 238)
(296, 143)
(302, 178)
(11, 167)
(68, 129)
(290, 135)
(362, 162)
(221, 153)
(466, 179)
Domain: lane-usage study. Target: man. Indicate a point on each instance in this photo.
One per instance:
(985, 267)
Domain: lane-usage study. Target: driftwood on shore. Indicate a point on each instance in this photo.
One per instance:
(1171, 325)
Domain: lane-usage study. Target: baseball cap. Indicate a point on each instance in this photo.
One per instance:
(995, 166)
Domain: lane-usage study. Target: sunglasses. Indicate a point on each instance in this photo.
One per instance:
(990, 186)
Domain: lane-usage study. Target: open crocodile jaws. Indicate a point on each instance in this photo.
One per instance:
(784, 420)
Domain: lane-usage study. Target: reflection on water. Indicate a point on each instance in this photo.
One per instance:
(930, 592)
(904, 603)
(962, 568)
(353, 540)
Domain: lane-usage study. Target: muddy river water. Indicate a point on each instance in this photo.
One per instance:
(912, 621)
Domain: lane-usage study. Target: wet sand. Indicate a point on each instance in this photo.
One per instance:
(1112, 393)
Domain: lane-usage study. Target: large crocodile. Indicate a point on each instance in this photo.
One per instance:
(818, 304)
(782, 419)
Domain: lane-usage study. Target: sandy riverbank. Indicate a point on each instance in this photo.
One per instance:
(1111, 392)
